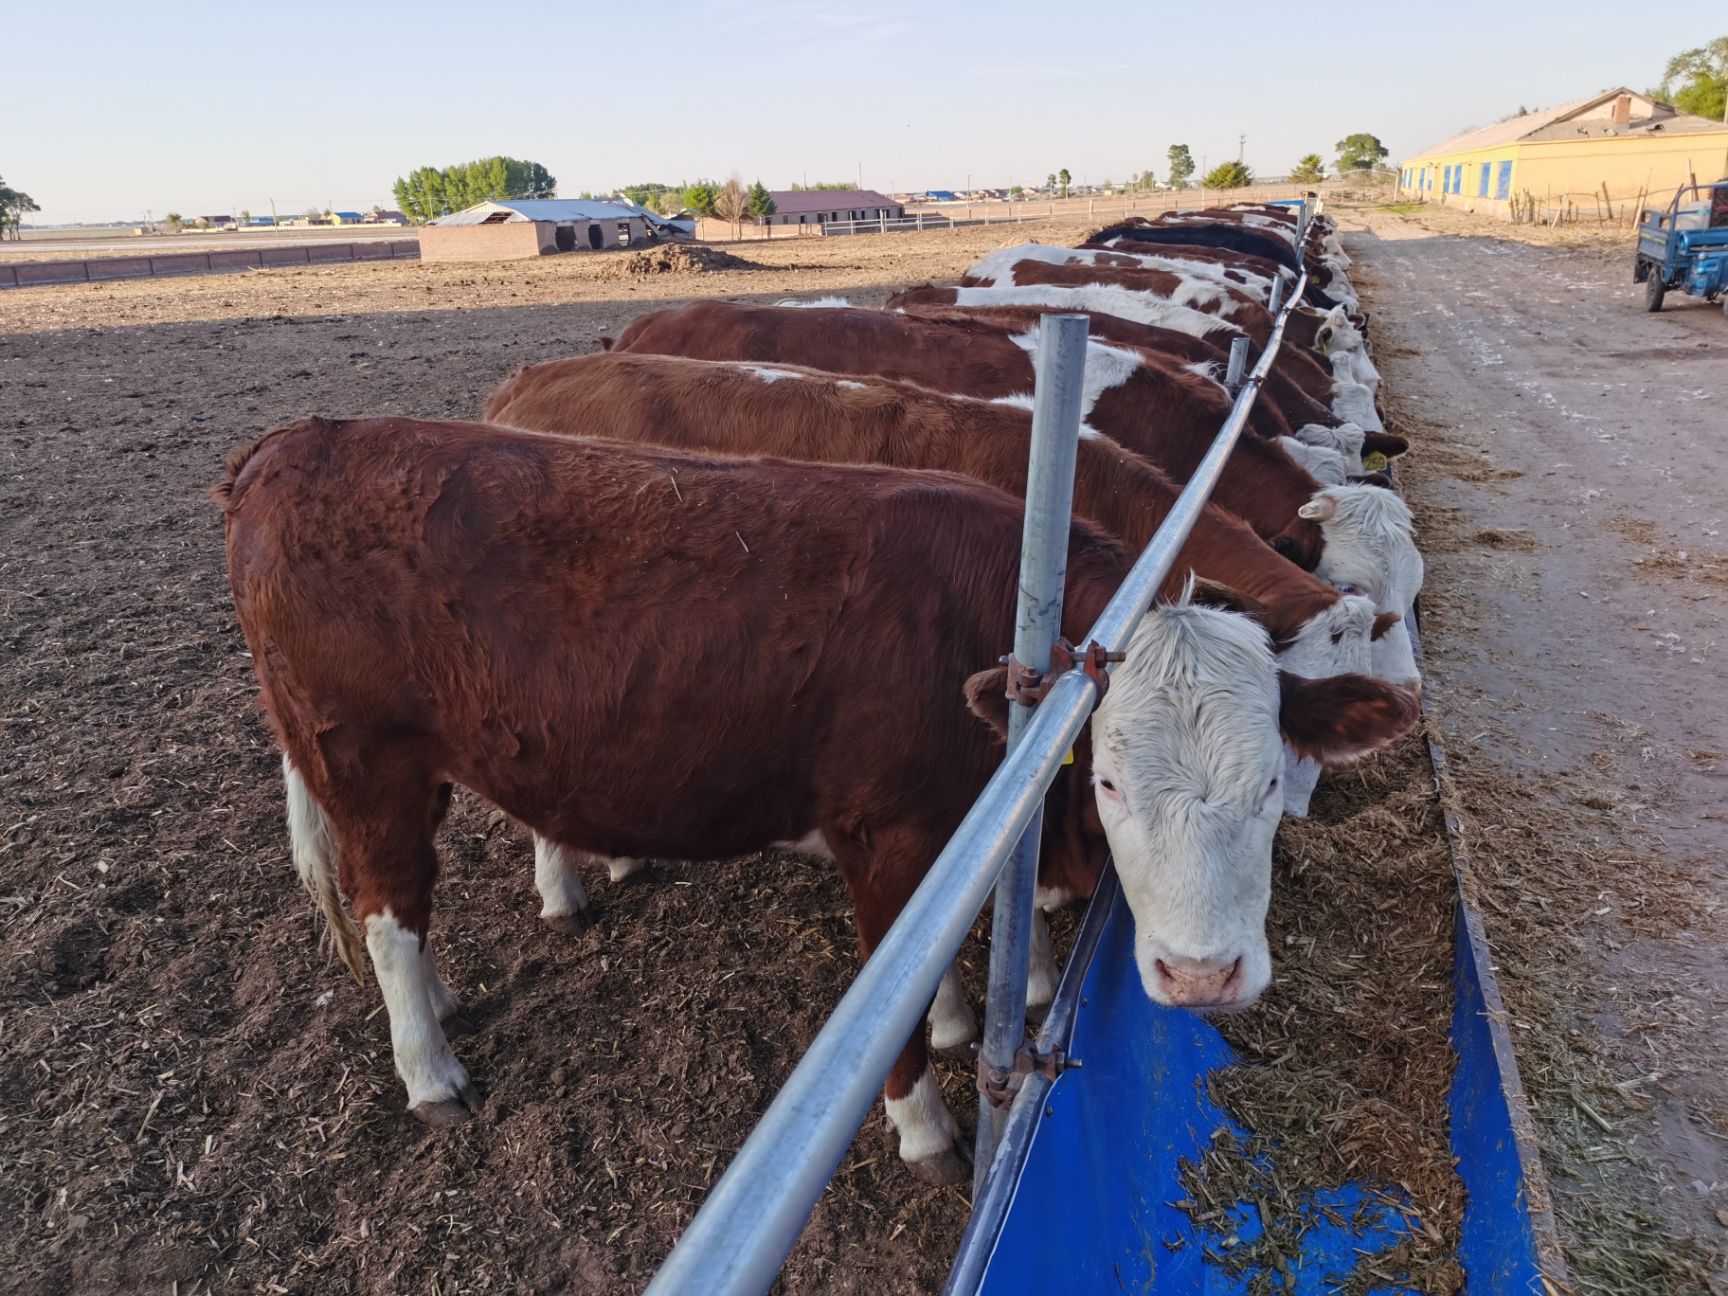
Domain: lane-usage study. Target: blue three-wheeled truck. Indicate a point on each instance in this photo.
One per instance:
(1686, 247)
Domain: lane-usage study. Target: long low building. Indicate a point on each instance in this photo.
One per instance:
(514, 229)
(1627, 141)
(818, 207)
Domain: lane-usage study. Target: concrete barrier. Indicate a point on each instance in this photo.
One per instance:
(27, 274)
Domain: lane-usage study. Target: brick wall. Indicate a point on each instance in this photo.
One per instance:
(24, 274)
(509, 241)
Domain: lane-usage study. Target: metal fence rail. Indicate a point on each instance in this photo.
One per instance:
(753, 1216)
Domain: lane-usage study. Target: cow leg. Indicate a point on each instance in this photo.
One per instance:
(952, 1025)
(563, 902)
(1041, 973)
(881, 880)
(619, 867)
(385, 823)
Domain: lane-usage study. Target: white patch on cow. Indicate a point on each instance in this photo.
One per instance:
(1370, 549)
(849, 385)
(313, 847)
(952, 1023)
(557, 881)
(1354, 403)
(1301, 776)
(1101, 299)
(619, 867)
(1210, 370)
(997, 267)
(768, 374)
(925, 1125)
(1042, 975)
(1186, 754)
(1338, 334)
(423, 1059)
(1394, 657)
(1345, 438)
(1014, 400)
(812, 843)
(1332, 642)
(797, 304)
(1322, 463)
(1200, 294)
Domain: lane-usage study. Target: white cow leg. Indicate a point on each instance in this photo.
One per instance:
(1041, 973)
(952, 1025)
(623, 866)
(445, 1004)
(563, 902)
(929, 1134)
(439, 1091)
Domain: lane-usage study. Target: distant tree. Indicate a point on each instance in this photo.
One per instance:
(732, 203)
(821, 185)
(1017, 192)
(427, 193)
(1062, 179)
(1050, 182)
(1107, 185)
(313, 213)
(645, 195)
(700, 197)
(1696, 80)
(1359, 152)
(761, 204)
(1228, 175)
(173, 223)
(1181, 166)
(15, 205)
(1309, 169)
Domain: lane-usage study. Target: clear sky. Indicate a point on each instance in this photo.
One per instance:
(202, 108)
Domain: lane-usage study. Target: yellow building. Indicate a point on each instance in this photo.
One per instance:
(1544, 160)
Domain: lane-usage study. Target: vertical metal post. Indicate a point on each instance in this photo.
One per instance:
(1277, 298)
(1301, 227)
(1238, 364)
(1060, 381)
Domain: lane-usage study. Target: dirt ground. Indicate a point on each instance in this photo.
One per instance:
(1571, 479)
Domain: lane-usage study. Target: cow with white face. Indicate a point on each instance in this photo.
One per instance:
(1370, 550)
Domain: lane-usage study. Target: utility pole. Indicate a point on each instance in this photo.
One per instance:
(1241, 145)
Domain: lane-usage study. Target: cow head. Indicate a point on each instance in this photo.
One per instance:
(1354, 403)
(1337, 334)
(1346, 438)
(1322, 463)
(1370, 550)
(1186, 758)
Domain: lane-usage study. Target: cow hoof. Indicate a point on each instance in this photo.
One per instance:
(449, 1111)
(943, 1169)
(570, 924)
(458, 1023)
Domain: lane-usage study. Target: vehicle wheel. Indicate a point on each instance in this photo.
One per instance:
(1640, 270)
(1654, 291)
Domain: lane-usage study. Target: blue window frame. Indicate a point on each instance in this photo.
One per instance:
(1503, 188)
(1487, 170)
(1446, 181)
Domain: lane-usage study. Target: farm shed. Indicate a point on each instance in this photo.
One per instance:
(1627, 141)
(516, 229)
(819, 206)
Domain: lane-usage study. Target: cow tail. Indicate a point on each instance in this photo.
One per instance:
(314, 850)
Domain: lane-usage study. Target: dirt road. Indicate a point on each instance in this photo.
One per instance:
(1572, 477)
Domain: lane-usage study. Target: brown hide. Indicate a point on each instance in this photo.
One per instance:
(724, 408)
(633, 651)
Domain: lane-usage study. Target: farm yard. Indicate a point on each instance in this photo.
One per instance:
(193, 1097)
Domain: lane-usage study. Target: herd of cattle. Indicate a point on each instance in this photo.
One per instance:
(741, 580)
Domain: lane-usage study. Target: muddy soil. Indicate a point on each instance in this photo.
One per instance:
(1570, 473)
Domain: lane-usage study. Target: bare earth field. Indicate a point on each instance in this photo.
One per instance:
(1570, 478)
(192, 1098)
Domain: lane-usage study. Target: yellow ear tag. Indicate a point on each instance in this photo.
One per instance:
(1375, 462)
(1069, 758)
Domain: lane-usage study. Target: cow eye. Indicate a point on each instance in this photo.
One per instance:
(1107, 785)
(1271, 787)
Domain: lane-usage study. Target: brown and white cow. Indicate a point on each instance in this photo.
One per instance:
(1349, 400)
(1252, 275)
(640, 652)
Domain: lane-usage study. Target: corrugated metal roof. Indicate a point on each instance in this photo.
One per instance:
(793, 201)
(546, 209)
(1555, 124)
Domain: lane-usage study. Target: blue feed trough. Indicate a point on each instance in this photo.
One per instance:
(1095, 1204)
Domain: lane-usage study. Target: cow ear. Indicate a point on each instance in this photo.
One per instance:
(1342, 718)
(987, 695)
(1384, 622)
(606, 342)
(1209, 593)
(1389, 444)
(1371, 479)
(1319, 509)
